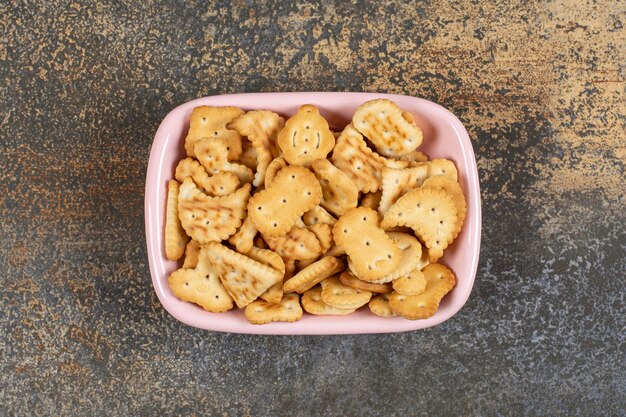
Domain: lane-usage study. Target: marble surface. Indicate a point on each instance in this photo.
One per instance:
(541, 90)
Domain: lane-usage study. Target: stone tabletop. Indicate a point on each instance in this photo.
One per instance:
(541, 90)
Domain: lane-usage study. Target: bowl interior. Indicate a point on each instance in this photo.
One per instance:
(444, 137)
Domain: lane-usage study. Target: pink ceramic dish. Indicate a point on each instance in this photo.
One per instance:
(444, 137)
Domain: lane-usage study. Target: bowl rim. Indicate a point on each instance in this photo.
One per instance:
(151, 201)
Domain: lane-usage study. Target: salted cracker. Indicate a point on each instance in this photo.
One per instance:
(312, 303)
(313, 274)
(222, 183)
(273, 260)
(299, 243)
(212, 154)
(338, 295)
(339, 193)
(286, 309)
(210, 122)
(454, 190)
(244, 238)
(413, 283)
(397, 182)
(441, 166)
(175, 236)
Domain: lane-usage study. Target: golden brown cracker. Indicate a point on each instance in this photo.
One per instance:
(207, 218)
(439, 281)
(454, 190)
(397, 182)
(248, 155)
(272, 169)
(379, 305)
(192, 252)
(275, 210)
(222, 183)
(316, 215)
(324, 234)
(443, 167)
(244, 278)
(382, 123)
(313, 274)
(286, 309)
(413, 283)
(339, 193)
(210, 122)
(335, 294)
(299, 243)
(306, 137)
(312, 303)
(213, 155)
(201, 285)
(273, 260)
(372, 253)
(430, 212)
(347, 278)
(371, 200)
(175, 236)
(244, 238)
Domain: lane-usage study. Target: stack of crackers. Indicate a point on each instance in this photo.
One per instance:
(278, 216)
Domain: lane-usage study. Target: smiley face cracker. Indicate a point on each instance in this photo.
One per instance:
(414, 283)
(430, 212)
(244, 278)
(213, 155)
(313, 304)
(201, 286)
(439, 281)
(222, 183)
(306, 137)
(313, 274)
(316, 215)
(379, 305)
(210, 122)
(298, 244)
(340, 194)
(411, 252)
(397, 182)
(244, 238)
(372, 254)
(276, 209)
(273, 260)
(347, 278)
(382, 123)
(454, 190)
(335, 294)
(286, 309)
(207, 219)
(192, 253)
(261, 127)
(175, 236)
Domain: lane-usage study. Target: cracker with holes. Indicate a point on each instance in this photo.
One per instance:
(379, 305)
(244, 278)
(347, 278)
(273, 260)
(316, 215)
(335, 294)
(287, 310)
(439, 281)
(397, 182)
(206, 218)
(244, 238)
(443, 167)
(340, 194)
(261, 127)
(454, 190)
(272, 169)
(210, 122)
(222, 183)
(275, 210)
(213, 155)
(312, 303)
(201, 285)
(313, 274)
(306, 137)
(382, 123)
(175, 236)
(431, 213)
(371, 253)
(192, 252)
(324, 234)
(413, 283)
(299, 243)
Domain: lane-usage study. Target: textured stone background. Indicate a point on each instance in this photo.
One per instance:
(541, 90)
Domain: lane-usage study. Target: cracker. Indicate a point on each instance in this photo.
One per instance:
(248, 155)
(454, 190)
(272, 169)
(335, 294)
(397, 182)
(313, 274)
(347, 278)
(306, 137)
(372, 253)
(244, 278)
(201, 285)
(316, 215)
(313, 304)
(442, 167)
(275, 210)
(175, 236)
(222, 183)
(210, 122)
(439, 281)
(207, 218)
(382, 123)
(192, 252)
(430, 212)
(413, 283)
(261, 127)
(299, 243)
(414, 156)
(379, 305)
(244, 238)
(324, 234)
(273, 260)
(340, 194)
(371, 200)
(213, 155)
(287, 310)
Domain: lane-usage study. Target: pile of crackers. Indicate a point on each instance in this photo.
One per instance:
(278, 216)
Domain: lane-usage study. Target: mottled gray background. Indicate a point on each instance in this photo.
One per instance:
(541, 90)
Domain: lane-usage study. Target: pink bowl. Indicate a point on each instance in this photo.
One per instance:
(444, 137)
